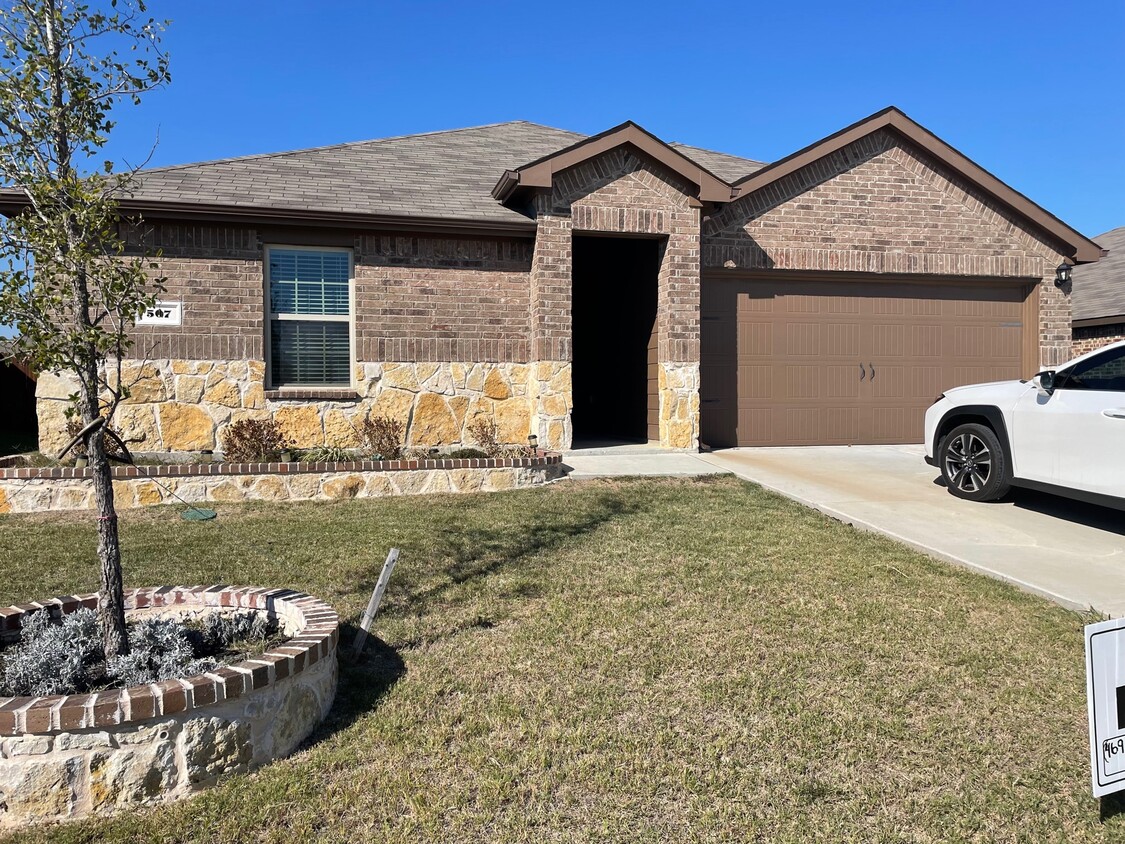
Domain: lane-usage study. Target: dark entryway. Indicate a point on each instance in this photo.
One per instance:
(19, 429)
(614, 283)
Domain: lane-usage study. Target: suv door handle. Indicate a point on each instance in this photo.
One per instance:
(1115, 413)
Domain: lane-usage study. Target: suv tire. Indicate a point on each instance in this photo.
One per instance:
(972, 463)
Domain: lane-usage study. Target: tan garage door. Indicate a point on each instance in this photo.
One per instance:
(832, 363)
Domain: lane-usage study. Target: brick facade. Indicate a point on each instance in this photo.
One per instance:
(418, 298)
(879, 205)
(452, 328)
(1086, 339)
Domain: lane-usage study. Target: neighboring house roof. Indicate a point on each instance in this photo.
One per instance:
(1098, 291)
(1084, 249)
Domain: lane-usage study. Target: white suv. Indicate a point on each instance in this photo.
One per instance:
(1063, 431)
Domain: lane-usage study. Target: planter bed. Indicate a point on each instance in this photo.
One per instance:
(29, 490)
(70, 756)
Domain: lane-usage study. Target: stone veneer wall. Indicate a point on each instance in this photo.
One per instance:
(187, 405)
(65, 757)
(1086, 339)
(41, 490)
(441, 339)
(880, 205)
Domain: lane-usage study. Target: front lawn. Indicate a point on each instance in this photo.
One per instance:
(644, 660)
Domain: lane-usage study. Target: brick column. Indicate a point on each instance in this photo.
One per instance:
(549, 387)
(678, 324)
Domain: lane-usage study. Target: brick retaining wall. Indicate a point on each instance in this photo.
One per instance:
(71, 756)
(30, 490)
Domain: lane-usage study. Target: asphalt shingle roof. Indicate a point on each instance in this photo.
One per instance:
(447, 175)
(1099, 289)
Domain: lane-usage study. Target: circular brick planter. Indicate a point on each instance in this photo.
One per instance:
(77, 755)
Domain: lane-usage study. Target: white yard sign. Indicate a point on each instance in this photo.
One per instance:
(162, 313)
(1105, 700)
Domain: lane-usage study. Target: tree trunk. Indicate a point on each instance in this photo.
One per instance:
(111, 596)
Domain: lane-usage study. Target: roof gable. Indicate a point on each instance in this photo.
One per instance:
(1081, 249)
(539, 174)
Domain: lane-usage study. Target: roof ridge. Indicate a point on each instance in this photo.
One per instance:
(346, 144)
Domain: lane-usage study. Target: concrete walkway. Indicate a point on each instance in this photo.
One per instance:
(600, 461)
(1069, 552)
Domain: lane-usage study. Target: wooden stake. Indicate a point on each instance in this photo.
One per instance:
(373, 604)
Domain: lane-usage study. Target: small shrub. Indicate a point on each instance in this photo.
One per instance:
(53, 657)
(218, 632)
(63, 657)
(325, 454)
(467, 453)
(487, 433)
(160, 649)
(381, 437)
(252, 440)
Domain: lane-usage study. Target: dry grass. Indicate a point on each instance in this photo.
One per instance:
(628, 661)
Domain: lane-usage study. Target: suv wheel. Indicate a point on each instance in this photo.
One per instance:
(972, 463)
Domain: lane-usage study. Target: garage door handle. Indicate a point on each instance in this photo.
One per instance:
(872, 371)
(862, 372)
(1115, 413)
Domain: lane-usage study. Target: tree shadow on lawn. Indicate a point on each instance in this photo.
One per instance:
(474, 553)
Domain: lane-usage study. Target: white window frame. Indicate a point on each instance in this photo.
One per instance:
(271, 316)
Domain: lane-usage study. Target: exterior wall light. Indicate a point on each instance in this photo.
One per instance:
(1062, 274)
(532, 442)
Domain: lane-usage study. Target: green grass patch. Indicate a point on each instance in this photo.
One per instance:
(634, 661)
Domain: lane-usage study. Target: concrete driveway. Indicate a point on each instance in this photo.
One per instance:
(1070, 552)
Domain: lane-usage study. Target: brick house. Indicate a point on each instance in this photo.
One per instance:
(576, 288)
(1099, 296)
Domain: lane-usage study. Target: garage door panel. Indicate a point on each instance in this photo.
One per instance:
(841, 381)
(889, 382)
(755, 339)
(783, 367)
(888, 340)
(925, 382)
(755, 381)
(803, 382)
(926, 341)
(1006, 342)
(842, 340)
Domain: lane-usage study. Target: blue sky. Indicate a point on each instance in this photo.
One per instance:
(1033, 91)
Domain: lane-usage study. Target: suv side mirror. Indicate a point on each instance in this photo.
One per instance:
(1045, 381)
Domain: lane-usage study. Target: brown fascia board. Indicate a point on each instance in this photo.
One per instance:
(1098, 322)
(13, 201)
(1084, 250)
(540, 173)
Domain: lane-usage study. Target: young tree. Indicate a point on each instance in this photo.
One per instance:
(69, 288)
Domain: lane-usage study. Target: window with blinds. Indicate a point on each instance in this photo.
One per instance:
(310, 314)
